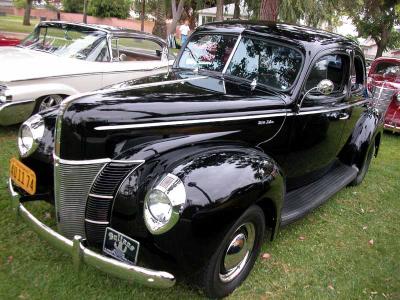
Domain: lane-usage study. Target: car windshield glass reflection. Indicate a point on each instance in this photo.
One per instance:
(67, 42)
(273, 65)
(208, 52)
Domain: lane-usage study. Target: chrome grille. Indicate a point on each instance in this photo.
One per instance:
(72, 182)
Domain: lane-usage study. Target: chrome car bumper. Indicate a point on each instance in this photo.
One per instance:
(15, 112)
(81, 254)
(391, 127)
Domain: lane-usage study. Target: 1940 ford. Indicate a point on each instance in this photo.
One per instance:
(188, 172)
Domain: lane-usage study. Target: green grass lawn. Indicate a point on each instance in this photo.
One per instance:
(326, 255)
(14, 24)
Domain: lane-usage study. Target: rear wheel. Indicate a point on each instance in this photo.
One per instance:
(364, 168)
(46, 102)
(235, 256)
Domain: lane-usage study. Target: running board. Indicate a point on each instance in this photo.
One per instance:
(301, 201)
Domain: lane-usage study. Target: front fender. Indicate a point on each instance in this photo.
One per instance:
(221, 182)
(33, 91)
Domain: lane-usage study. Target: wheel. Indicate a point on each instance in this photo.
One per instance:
(47, 102)
(364, 169)
(232, 262)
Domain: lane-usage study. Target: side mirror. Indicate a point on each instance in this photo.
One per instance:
(325, 87)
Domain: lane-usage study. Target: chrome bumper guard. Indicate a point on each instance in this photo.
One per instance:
(80, 253)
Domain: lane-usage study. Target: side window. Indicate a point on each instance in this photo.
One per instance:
(357, 75)
(135, 49)
(334, 67)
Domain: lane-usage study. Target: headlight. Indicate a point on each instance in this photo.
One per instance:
(163, 204)
(30, 134)
(398, 97)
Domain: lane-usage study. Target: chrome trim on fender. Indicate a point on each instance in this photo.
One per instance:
(100, 196)
(16, 111)
(97, 222)
(286, 112)
(93, 161)
(80, 253)
(186, 122)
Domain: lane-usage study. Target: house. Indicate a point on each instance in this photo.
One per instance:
(208, 15)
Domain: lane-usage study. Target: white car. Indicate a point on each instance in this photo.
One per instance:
(60, 59)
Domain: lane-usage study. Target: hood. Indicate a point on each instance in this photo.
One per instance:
(174, 98)
(17, 63)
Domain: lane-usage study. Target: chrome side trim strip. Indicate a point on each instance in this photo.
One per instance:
(186, 122)
(227, 119)
(100, 196)
(97, 222)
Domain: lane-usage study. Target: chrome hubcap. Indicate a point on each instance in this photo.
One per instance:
(238, 252)
(50, 101)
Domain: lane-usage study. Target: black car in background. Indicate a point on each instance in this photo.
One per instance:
(255, 126)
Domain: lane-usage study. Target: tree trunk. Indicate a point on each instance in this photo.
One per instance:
(27, 13)
(142, 15)
(85, 11)
(236, 11)
(160, 27)
(383, 41)
(269, 10)
(176, 15)
(220, 10)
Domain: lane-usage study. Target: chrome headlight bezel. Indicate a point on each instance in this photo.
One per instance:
(28, 144)
(172, 189)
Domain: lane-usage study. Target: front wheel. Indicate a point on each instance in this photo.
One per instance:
(232, 262)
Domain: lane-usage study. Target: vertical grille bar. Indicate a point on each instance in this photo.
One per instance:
(72, 182)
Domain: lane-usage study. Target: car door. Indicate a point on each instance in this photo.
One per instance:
(134, 57)
(317, 128)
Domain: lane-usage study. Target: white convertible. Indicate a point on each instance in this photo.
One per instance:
(60, 59)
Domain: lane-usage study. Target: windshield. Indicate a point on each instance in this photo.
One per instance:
(72, 42)
(208, 52)
(268, 63)
(274, 65)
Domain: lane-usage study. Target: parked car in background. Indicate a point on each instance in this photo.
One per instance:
(385, 71)
(256, 125)
(6, 41)
(60, 59)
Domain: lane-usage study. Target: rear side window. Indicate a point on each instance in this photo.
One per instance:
(334, 67)
(135, 49)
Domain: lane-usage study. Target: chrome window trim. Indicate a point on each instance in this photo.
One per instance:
(232, 54)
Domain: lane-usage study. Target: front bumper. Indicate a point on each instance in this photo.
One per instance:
(15, 112)
(392, 127)
(81, 254)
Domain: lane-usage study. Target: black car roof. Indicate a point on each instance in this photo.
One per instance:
(105, 28)
(297, 33)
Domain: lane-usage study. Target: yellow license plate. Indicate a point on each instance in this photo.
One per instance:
(23, 176)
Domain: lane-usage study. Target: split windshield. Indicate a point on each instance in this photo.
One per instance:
(73, 42)
(271, 64)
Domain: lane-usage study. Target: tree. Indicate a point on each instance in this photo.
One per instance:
(236, 11)
(27, 13)
(375, 18)
(269, 10)
(72, 6)
(160, 26)
(109, 8)
(220, 10)
(176, 14)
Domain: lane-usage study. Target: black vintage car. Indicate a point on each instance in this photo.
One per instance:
(255, 126)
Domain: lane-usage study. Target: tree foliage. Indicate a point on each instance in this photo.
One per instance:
(109, 8)
(73, 6)
(375, 18)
